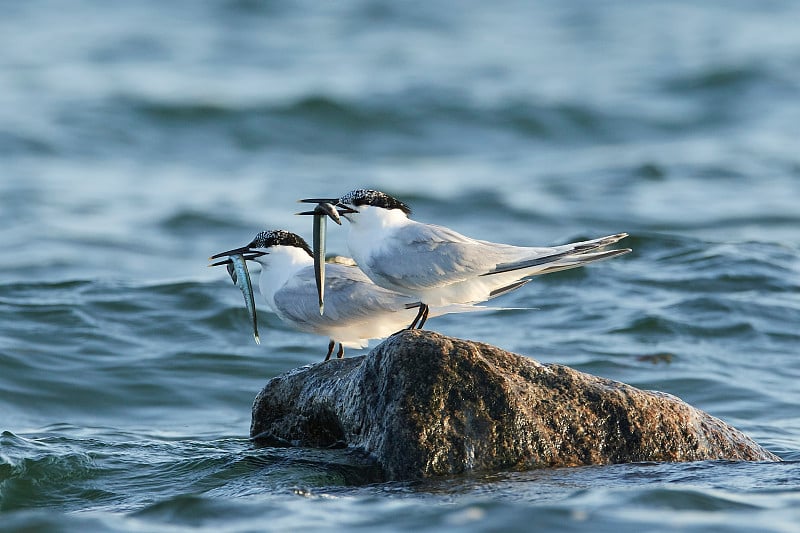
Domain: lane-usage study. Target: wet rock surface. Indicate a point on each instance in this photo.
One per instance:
(422, 404)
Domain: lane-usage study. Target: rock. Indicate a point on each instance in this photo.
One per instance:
(423, 404)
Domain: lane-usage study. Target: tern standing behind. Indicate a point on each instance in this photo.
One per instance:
(439, 266)
(357, 310)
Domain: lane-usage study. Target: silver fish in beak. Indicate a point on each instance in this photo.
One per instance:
(330, 206)
(237, 270)
(320, 229)
(323, 210)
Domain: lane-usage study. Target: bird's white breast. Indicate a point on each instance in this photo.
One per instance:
(372, 231)
(278, 268)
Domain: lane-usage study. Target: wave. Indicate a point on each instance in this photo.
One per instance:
(320, 123)
(719, 79)
(396, 112)
(14, 143)
(409, 120)
(189, 221)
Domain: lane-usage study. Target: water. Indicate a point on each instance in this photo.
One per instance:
(136, 139)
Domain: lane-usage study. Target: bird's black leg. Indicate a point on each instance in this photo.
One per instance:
(330, 349)
(340, 353)
(421, 314)
(424, 316)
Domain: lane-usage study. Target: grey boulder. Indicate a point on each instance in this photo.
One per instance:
(423, 404)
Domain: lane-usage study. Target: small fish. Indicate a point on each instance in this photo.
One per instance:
(237, 269)
(320, 222)
(321, 212)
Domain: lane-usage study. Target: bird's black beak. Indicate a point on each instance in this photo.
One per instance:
(333, 201)
(322, 209)
(329, 206)
(245, 251)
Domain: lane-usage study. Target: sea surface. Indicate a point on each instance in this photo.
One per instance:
(138, 138)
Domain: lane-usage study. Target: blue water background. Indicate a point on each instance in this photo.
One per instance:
(138, 138)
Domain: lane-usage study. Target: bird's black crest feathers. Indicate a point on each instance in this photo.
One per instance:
(374, 198)
(279, 237)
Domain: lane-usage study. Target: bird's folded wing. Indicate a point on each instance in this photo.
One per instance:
(349, 297)
(423, 256)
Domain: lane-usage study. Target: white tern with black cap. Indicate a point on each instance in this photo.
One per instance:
(439, 266)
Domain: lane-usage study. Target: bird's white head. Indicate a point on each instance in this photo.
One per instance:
(357, 203)
(278, 237)
(273, 242)
(368, 199)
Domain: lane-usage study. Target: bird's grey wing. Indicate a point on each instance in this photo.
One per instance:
(564, 256)
(297, 301)
(349, 297)
(422, 256)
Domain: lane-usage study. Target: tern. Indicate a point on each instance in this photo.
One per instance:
(437, 265)
(356, 309)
